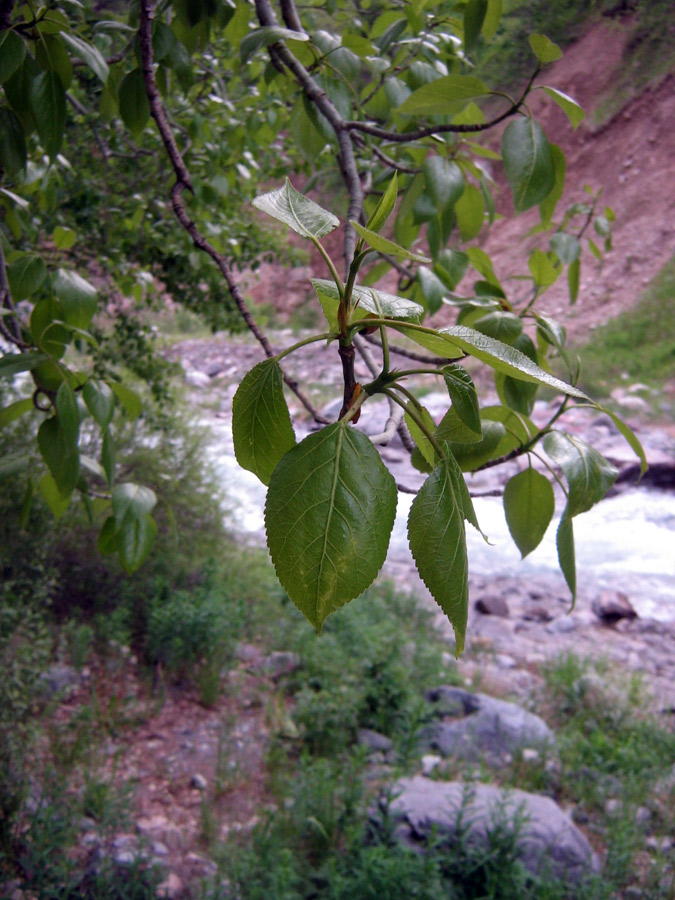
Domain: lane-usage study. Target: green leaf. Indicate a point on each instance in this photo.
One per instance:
(60, 454)
(265, 36)
(437, 538)
(589, 475)
(529, 504)
(451, 266)
(565, 544)
(330, 509)
(630, 437)
(528, 162)
(13, 363)
(100, 401)
(128, 398)
(13, 154)
(453, 429)
(55, 500)
(88, 53)
(505, 359)
(385, 206)
(47, 333)
(500, 325)
(470, 209)
(133, 101)
(424, 444)
(566, 247)
(370, 302)
(14, 411)
(107, 539)
(377, 242)
(48, 106)
(108, 456)
(432, 288)
(542, 269)
(463, 396)
(568, 105)
(261, 424)
(12, 52)
(549, 203)
(544, 49)
(491, 23)
(26, 275)
(444, 180)
(303, 215)
(132, 501)
(474, 16)
(433, 341)
(77, 297)
(64, 238)
(473, 455)
(573, 277)
(135, 538)
(67, 413)
(444, 96)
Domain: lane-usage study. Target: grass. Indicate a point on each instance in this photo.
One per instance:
(637, 346)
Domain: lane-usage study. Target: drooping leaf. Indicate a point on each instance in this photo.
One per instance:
(474, 454)
(77, 297)
(132, 501)
(377, 242)
(265, 36)
(12, 52)
(573, 278)
(14, 411)
(474, 16)
(48, 106)
(444, 96)
(88, 53)
(470, 210)
(588, 474)
(568, 105)
(13, 363)
(542, 269)
(100, 401)
(421, 440)
(133, 101)
(444, 180)
(437, 538)
(67, 413)
(566, 557)
(528, 505)
(57, 502)
(134, 539)
(544, 48)
(500, 325)
(292, 208)
(463, 396)
(129, 399)
(60, 454)
(13, 154)
(630, 437)
(566, 247)
(548, 205)
(451, 266)
(262, 431)
(26, 275)
(432, 288)
(528, 163)
(330, 509)
(385, 206)
(108, 456)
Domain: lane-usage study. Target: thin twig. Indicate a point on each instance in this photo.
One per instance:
(183, 183)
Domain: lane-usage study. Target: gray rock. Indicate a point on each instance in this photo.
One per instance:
(562, 625)
(547, 839)
(280, 663)
(611, 606)
(59, 679)
(488, 726)
(374, 740)
(452, 701)
(197, 379)
(492, 605)
(198, 782)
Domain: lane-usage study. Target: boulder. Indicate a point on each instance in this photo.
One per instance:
(611, 606)
(487, 726)
(546, 838)
(492, 605)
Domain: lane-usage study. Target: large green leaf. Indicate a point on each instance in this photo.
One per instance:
(100, 401)
(12, 52)
(88, 53)
(265, 36)
(55, 500)
(15, 410)
(262, 431)
(474, 454)
(470, 209)
(13, 363)
(437, 538)
(292, 208)
(67, 413)
(505, 359)
(589, 475)
(528, 505)
(544, 48)
(444, 180)
(444, 96)
(129, 399)
(548, 205)
(566, 247)
(453, 429)
(425, 446)
(630, 437)
(520, 430)
(433, 341)
(501, 325)
(568, 105)
(474, 16)
(330, 509)
(134, 539)
(48, 106)
(26, 275)
(133, 101)
(377, 242)
(528, 162)
(132, 501)
(367, 301)
(432, 287)
(566, 557)
(77, 297)
(463, 396)
(60, 453)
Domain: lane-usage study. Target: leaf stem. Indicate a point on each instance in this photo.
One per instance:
(412, 411)
(326, 336)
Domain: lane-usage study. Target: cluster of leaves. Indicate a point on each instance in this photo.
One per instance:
(390, 89)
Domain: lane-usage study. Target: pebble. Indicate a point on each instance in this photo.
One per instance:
(198, 782)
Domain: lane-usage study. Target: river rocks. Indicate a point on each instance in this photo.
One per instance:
(486, 727)
(492, 605)
(611, 606)
(546, 838)
(280, 663)
(373, 740)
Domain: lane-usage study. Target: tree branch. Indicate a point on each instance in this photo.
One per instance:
(184, 182)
